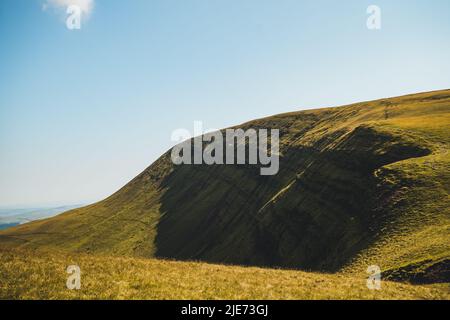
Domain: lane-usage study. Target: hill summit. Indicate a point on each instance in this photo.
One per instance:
(358, 185)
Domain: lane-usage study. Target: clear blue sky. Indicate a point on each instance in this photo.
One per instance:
(82, 112)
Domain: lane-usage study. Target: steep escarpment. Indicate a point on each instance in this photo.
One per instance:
(357, 185)
(315, 213)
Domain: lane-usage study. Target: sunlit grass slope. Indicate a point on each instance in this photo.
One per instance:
(42, 275)
(358, 185)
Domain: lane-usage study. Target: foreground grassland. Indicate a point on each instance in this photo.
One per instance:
(30, 274)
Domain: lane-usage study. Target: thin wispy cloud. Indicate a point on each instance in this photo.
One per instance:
(86, 6)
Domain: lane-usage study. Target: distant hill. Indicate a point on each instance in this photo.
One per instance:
(4, 226)
(15, 216)
(358, 185)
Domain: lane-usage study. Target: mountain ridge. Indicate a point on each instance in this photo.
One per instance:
(358, 185)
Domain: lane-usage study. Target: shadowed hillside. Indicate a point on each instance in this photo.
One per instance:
(358, 185)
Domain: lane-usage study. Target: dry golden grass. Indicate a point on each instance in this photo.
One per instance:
(29, 274)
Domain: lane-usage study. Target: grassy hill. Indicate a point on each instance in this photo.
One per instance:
(358, 185)
(27, 274)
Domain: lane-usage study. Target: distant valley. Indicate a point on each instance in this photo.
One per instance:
(10, 217)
